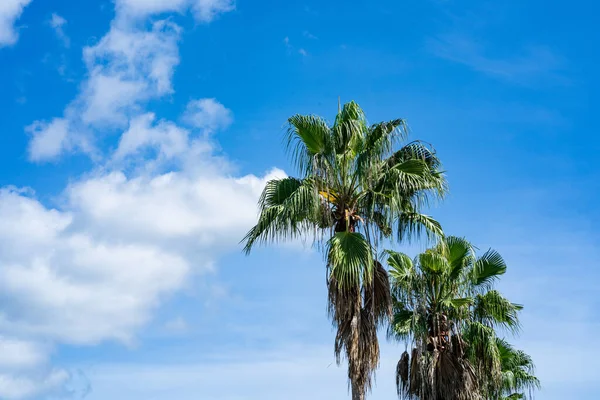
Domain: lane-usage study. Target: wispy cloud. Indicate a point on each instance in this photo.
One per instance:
(529, 64)
(177, 326)
(57, 23)
(309, 35)
(291, 49)
(259, 374)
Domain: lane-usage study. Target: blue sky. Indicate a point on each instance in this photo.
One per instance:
(137, 135)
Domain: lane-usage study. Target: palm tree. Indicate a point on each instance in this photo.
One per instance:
(446, 308)
(517, 373)
(355, 188)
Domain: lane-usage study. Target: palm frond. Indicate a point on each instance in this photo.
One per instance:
(492, 309)
(289, 208)
(410, 225)
(309, 142)
(433, 262)
(377, 297)
(402, 324)
(461, 302)
(419, 151)
(517, 371)
(277, 191)
(401, 266)
(402, 375)
(349, 128)
(483, 351)
(460, 255)
(488, 268)
(350, 258)
(380, 139)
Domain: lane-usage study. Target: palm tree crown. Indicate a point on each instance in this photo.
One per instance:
(356, 187)
(446, 307)
(518, 381)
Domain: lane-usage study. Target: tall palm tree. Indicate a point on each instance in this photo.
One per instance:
(446, 308)
(355, 187)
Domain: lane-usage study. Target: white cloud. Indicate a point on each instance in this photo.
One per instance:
(10, 11)
(169, 139)
(24, 372)
(199, 210)
(144, 8)
(95, 269)
(25, 387)
(203, 10)
(20, 354)
(208, 115)
(57, 23)
(122, 239)
(128, 67)
(207, 10)
(48, 139)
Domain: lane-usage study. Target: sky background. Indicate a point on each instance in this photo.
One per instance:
(136, 136)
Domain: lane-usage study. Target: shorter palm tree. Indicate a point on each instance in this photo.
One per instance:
(518, 381)
(445, 307)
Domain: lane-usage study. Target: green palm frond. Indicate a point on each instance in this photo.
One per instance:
(410, 225)
(402, 323)
(488, 268)
(418, 151)
(277, 191)
(350, 258)
(380, 139)
(309, 142)
(483, 350)
(492, 309)
(349, 128)
(517, 371)
(460, 255)
(461, 302)
(432, 262)
(289, 208)
(402, 270)
(383, 223)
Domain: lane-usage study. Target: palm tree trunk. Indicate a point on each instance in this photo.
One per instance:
(358, 393)
(354, 361)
